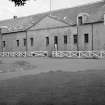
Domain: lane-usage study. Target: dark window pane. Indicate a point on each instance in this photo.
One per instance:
(4, 44)
(86, 38)
(65, 39)
(55, 40)
(80, 20)
(17, 42)
(25, 42)
(47, 41)
(32, 41)
(75, 39)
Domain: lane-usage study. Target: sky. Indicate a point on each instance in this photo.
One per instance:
(8, 9)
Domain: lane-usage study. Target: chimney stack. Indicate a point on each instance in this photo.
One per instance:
(14, 17)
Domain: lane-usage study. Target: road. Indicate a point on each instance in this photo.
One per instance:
(52, 64)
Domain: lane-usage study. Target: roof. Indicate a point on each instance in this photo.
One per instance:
(68, 15)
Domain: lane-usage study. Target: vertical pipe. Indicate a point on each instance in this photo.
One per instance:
(26, 43)
(92, 39)
(77, 37)
(1, 43)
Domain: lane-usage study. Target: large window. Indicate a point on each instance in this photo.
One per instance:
(47, 41)
(17, 41)
(55, 39)
(86, 38)
(75, 39)
(32, 41)
(25, 42)
(65, 39)
(4, 43)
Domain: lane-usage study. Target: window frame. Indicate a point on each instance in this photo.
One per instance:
(17, 43)
(32, 41)
(47, 40)
(80, 20)
(86, 38)
(56, 40)
(4, 43)
(65, 39)
(25, 42)
(75, 37)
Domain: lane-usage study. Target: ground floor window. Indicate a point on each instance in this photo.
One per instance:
(32, 41)
(65, 39)
(25, 42)
(86, 38)
(75, 39)
(47, 41)
(17, 41)
(55, 39)
(4, 43)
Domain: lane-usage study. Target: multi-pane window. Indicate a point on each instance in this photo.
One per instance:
(47, 41)
(86, 38)
(25, 42)
(32, 41)
(80, 20)
(55, 39)
(4, 43)
(17, 41)
(75, 39)
(65, 39)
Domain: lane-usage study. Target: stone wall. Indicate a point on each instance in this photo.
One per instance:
(11, 44)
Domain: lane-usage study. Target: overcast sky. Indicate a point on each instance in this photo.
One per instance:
(8, 10)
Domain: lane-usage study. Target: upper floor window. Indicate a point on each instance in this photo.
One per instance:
(65, 39)
(17, 41)
(86, 38)
(47, 41)
(80, 20)
(32, 41)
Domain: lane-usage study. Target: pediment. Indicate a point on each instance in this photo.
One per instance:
(48, 22)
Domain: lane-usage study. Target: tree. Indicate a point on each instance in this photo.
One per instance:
(19, 2)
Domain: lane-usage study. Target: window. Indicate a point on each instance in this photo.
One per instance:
(47, 41)
(80, 20)
(4, 44)
(86, 38)
(75, 39)
(25, 42)
(17, 43)
(32, 41)
(65, 39)
(56, 40)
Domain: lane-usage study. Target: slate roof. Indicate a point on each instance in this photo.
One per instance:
(95, 11)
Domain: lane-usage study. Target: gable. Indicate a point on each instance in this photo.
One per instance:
(48, 22)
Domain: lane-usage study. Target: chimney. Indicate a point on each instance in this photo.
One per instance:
(14, 17)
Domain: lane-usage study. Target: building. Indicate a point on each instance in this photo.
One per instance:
(78, 28)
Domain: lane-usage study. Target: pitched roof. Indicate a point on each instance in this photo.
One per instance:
(68, 15)
(92, 9)
(21, 24)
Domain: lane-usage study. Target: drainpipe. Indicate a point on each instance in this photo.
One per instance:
(26, 43)
(1, 40)
(92, 39)
(77, 37)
